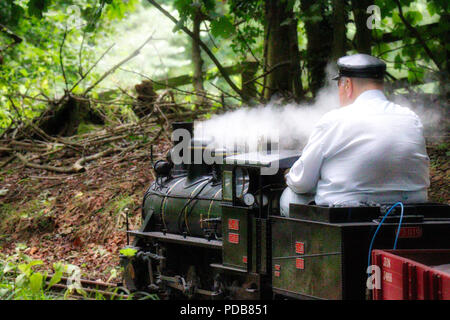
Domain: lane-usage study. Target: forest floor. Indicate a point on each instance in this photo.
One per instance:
(81, 218)
(75, 218)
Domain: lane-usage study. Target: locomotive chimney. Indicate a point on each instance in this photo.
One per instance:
(189, 126)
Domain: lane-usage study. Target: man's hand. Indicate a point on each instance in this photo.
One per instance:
(286, 172)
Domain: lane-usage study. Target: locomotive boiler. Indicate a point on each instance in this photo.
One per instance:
(213, 230)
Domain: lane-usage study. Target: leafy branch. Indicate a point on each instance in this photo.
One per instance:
(202, 45)
(417, 35)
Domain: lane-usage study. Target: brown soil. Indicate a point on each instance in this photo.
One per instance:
(77, 218)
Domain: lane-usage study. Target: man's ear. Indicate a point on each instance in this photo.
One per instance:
(348, 87)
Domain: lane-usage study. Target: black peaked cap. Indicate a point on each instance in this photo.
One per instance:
(360, 66)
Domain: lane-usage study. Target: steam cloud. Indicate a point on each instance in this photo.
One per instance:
(430, 116)
(289, 125)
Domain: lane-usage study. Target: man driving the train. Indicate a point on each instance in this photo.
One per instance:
(369, 151)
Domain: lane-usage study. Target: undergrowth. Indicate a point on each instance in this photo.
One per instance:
(22, 278)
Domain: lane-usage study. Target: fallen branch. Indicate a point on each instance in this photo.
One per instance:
(47, 177)
(46, 167)
(79, 165)
(8, 160)
(12, 35)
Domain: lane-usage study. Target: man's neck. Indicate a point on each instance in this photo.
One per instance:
(368, 87)
(370, 94)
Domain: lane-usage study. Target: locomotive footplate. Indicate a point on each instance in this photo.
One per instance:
(175, 238)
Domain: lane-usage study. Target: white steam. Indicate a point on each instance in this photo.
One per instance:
(430, 115)
(289, 125)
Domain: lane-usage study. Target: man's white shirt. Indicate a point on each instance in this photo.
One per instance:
(370, 151)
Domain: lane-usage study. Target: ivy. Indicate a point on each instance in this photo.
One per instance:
(222, 27)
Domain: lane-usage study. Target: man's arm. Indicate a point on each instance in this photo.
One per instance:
(305, 173)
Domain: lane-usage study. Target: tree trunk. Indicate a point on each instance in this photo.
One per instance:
(444, 63)
(320, 37)
(296, 71)
(197, 60)
(146, 96)
(339, 45)
(363, 36)
(282, 59)
(249, 92)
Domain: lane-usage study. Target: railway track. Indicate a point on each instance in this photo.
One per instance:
(90, 290)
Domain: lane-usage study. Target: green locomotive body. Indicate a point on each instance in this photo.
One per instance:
(214, 231)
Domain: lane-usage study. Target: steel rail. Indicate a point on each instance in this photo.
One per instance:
(105, 289)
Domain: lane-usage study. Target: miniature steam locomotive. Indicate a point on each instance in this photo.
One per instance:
(214, 231)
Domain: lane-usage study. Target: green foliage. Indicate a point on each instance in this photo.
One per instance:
(408, 56)
(222, 27)
(28, 284)
(21, 279)
(33, 66)
(223, 20)
(128, 252)
(38, 7)
(443, 147)
(250, 31)
(87, 127)
(10, 12)
(14, 12)
(188, 8)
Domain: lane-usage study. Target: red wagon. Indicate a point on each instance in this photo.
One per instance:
(412, 274)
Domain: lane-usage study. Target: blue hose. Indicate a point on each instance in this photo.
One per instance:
(378, 228)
